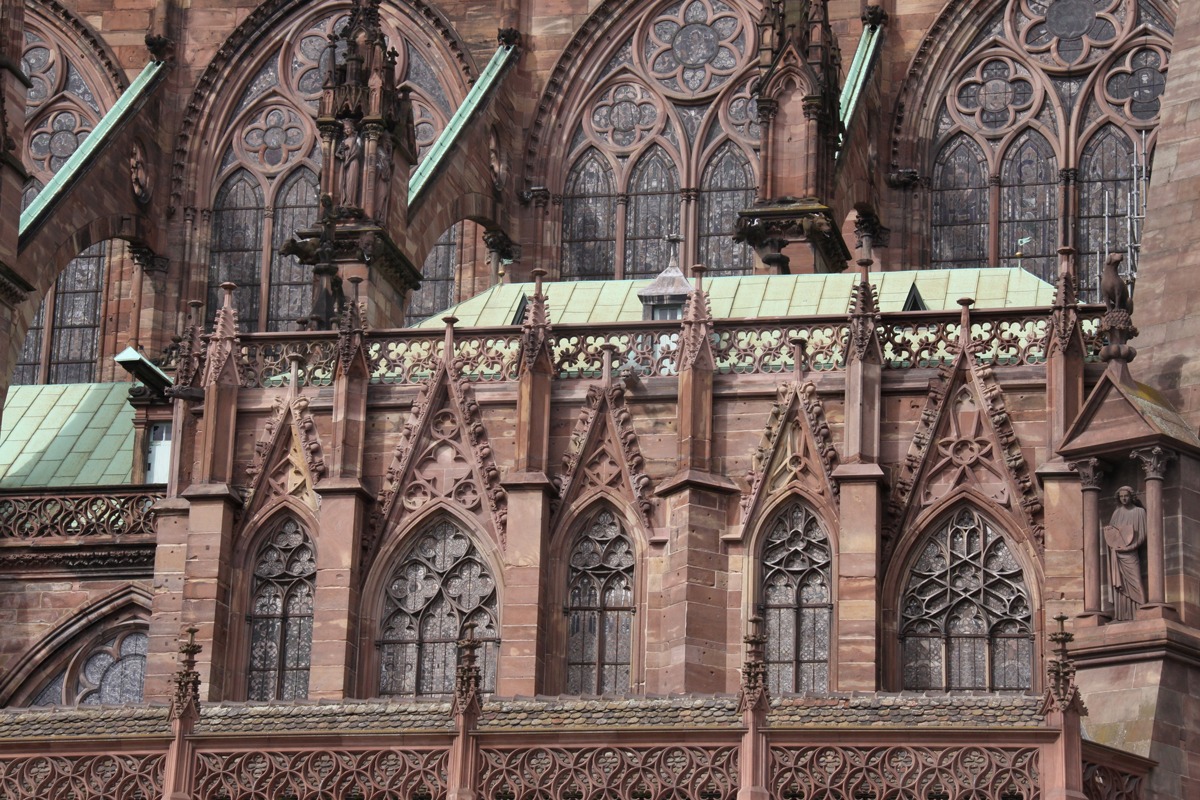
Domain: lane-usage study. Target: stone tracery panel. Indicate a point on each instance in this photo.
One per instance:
(674, 94)
(600, 608)
(281, 615)
(440, 585)
(109, 669)
(1065, 69)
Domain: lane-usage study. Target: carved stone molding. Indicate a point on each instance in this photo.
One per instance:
(1154, 461)
(796, 449)
(288, 460)
(604, 452)
(1091, 473)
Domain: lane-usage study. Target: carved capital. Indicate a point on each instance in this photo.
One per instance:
(1154, 461)
(689, 195)
(538, 197)
(508, 37)
(903, 179)
(1090, 472)
(866, 223)
(767, 109)
(993, 180)
(1068, 176)
(498, 242)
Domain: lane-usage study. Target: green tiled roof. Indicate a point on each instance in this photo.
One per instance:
(77, 434)
(760, 295)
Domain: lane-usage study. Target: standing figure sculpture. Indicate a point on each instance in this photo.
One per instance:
(1124, 535)
(350, 153)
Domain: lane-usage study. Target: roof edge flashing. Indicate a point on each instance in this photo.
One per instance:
(112, 120)
(474, 100)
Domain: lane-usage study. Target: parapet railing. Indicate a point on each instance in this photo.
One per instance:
(910, 340)
(54, 513)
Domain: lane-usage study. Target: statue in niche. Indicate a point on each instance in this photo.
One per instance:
(1124, 535)
(350, 153)
(383, 177)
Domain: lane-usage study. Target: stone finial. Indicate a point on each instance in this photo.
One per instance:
(185, 702)
(754, 694)
(468, 678)
(223, 348)
(1061, 691)
(535, 327)
(696, 342)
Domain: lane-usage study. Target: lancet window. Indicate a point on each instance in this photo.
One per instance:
(70, 91)
(265, 186)
(796, 601)
(600, 607)
(439, 587)
(664, 146)
(1044, 137)
(62, 344)
(281, 615)
(965, 613)
(108, 670)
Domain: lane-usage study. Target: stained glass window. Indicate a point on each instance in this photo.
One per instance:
(108, 671)
(796, 602)
(291, 282)
(652, 214)
(281, 615)
(726, 189)
(965, 614)
(74, 307)
(440, 584)
(1105, 179)
(1029, 206)
(235, 253)
(960, 205)
(600, 608)
(437, 277)
(589, 220)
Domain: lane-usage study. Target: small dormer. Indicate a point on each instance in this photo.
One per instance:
(666, 296)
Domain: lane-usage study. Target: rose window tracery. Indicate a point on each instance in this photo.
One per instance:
(1136, 84)
(274, 136)
(624, 115)
(1070, 33)
(56, 137)
(695, 45)
(741, 113)
(995, 95)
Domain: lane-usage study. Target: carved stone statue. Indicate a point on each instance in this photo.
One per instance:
(383, 177)
(1124, 535)
(1113, 288)
(350, 153)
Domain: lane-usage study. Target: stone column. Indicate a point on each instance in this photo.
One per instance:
(1154, 463)
(1090, 476)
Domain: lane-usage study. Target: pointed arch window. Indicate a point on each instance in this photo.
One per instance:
(652, 214)
(1029, 206)
(726, 188)
(291, 291)
(236, 250)
(960, 205)
(589, 220)
(600, 607)
(965, 613)
(281, 615)
(1057, 108)
(439, 586)
(73, 308)
(796, 601)
(1105, 179)
(108, 670)
(437, 276)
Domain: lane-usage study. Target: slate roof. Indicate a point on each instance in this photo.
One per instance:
(743, 296)
(532, 714)
(908, 710)
(68, 435)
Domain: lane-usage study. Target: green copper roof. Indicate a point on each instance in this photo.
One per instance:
(77, 434)
(126, 104)
(760, 296)
(860, 70)
(447, 138)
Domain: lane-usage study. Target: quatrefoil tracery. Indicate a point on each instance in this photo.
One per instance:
(695, 46)
(997, 94)
(1067, 34)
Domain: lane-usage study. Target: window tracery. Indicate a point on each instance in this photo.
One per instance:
(265, 187)
(796, 602)
(600, 608)
(965, 613)
(1050, 92)
(440, 585)
(281, 615)
(69, 94)
(109, 670)
(437, 276)
(673, 110)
